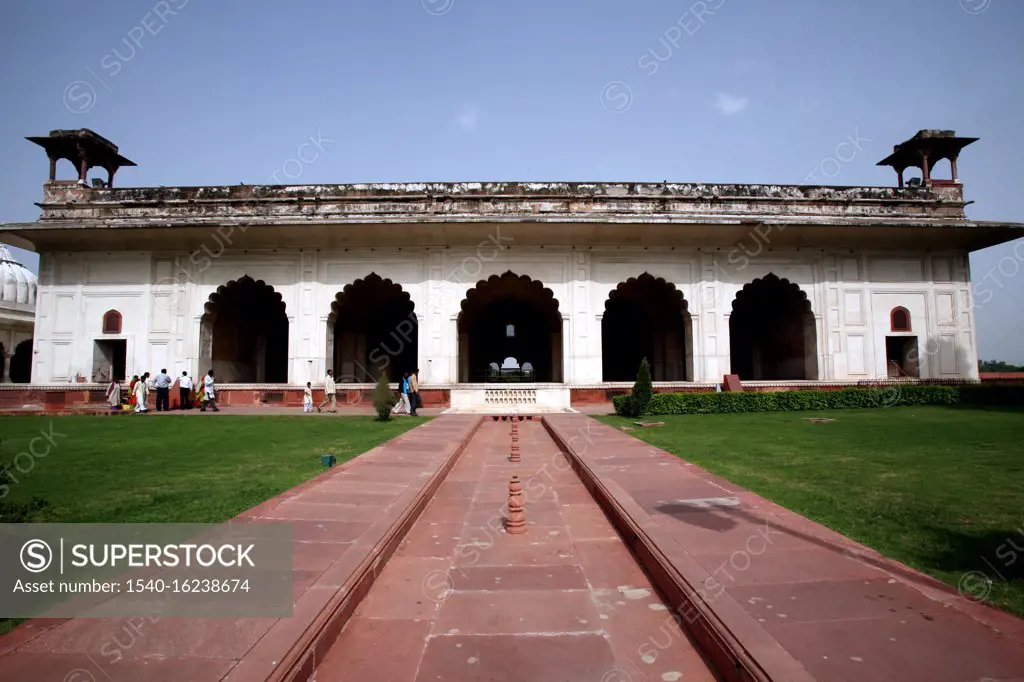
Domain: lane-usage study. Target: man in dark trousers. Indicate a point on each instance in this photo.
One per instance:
(414, 391)
(163, 391)
(185, 391)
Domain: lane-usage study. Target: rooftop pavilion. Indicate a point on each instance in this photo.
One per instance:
(83, 148)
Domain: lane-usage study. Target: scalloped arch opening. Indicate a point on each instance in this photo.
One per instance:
(244, 333)
(646, 317)
(773, 332)
(372, 329)
(510, 330)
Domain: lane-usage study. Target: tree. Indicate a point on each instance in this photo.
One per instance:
(640, 398)
(998, 366)
(642, 389)
(383, 399)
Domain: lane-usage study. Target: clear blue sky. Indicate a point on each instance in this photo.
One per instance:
(225, 91)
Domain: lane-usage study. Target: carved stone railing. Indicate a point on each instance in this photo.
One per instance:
(510, 396)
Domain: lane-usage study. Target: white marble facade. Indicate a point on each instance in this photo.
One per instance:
(161, 298)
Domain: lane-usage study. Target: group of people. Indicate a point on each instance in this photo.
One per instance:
(408, 394)
(201, 394)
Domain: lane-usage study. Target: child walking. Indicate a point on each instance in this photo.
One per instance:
(307, 398)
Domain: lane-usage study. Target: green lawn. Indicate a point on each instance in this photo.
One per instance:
(180, 469)
(938, 488)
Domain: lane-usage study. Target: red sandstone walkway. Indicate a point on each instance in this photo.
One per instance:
(340, 520)
(461, 600)
(802, 601)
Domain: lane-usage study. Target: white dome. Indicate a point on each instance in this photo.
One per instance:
(17, 283)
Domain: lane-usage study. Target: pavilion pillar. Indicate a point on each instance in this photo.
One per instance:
(563, 349)
(6, 378)
(53, 168)
(952, 166)
(463, 358)
(925, 170)
(329, 355)
(812, 368)
(423, 360)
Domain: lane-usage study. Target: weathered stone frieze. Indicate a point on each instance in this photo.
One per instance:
(66, 201)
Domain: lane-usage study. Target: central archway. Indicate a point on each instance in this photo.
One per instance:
(244, 334)
(372, 329)
(510, 329)
(646, 317)
(772, 332)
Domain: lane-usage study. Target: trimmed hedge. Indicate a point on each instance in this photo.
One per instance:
(850, 398)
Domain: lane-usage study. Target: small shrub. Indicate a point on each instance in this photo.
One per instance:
(642, 390)
(626, 406)
(383, 399)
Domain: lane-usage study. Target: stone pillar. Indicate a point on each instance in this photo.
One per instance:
(463, 357)
(812, 367)
(688, 348)
(423, 338)
(563, 347)
(7, 368)
(329, 345)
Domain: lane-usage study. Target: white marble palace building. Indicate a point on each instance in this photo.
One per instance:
(524, 292)
(17, 316)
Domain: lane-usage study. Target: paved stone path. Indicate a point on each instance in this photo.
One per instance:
(804, 601)
(339, 519)
(462, 600)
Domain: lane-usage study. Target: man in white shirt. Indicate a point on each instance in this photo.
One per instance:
(142, 394)
(185, 391)
(209, 393)
(330, 391)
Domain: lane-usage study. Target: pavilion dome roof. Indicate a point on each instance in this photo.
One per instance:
(17, 283)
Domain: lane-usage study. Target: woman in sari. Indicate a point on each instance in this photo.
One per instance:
(131, 392)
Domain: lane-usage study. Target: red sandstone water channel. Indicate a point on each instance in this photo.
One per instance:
(462, 600)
